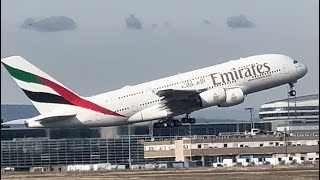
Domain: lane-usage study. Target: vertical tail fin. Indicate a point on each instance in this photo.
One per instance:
(44, 92)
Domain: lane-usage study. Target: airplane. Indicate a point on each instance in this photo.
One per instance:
(221, 85)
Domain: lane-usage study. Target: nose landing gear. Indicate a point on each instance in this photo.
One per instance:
(292, 92)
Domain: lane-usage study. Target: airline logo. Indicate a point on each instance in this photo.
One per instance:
(60, 94)
(233, 74)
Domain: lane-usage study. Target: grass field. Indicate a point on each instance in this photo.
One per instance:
(248, 173)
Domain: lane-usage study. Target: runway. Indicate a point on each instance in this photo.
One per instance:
(248, 173)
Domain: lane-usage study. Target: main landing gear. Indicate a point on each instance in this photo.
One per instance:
(187, 119)
(171, 122)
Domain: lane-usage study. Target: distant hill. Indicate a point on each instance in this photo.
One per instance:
(13, 111)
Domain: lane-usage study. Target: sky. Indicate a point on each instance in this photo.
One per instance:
(97, 46)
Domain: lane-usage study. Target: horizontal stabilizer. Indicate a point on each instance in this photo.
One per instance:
(48, 119)
(15, 122)
(41, 119)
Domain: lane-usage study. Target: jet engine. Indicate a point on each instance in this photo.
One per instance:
(151, 113)
(212, 97)
(233, 97)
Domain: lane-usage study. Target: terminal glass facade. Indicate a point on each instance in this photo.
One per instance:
(11, 133)
(48, 152)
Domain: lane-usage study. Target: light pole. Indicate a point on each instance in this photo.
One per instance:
(190, 141)
(295, 107)
(129, 136)
(251, 109)
(151, 129)
(285, 141)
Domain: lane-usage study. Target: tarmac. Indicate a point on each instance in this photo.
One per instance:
(308, 172)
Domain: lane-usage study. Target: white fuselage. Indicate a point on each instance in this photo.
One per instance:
(251, 74)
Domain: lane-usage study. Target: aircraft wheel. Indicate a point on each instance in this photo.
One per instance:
(293, 93)
(184, 120)
(171, 124)
(164, 124)
(156, 125)
(177, 123)
(192, 121)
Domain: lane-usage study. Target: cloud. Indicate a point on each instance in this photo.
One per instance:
(51, 24)
(166, 24)
(239, 22)
(133, 23)
(206, 21)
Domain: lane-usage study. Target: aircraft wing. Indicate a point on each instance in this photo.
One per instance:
(178, 94)
(177, 100)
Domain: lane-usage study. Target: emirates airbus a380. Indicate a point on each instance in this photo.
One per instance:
(222, 85)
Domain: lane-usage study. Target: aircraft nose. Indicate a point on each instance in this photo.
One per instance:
(304, 69)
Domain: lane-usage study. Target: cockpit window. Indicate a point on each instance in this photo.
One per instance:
(295, 61)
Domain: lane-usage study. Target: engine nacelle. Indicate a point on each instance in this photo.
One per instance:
(212, 97)
(151, 113)
(233, 97)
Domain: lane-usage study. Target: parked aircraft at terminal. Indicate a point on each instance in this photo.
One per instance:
(222, 85)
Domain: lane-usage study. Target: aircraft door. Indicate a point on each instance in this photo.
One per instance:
(285, 69)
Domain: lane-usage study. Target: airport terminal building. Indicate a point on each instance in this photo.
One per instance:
(30, 147)
(297, 113)
(303, 107)
(236, 148)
